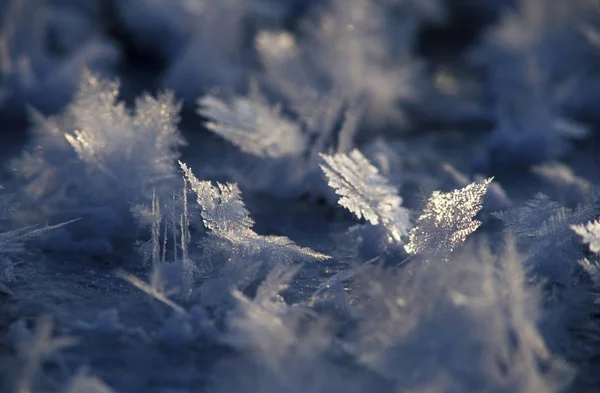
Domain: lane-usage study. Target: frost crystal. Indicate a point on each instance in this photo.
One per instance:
(590, 233)
(447, 219)
(255, 128)
(544, 229)
(100, 153)
(366, 193)
(348, 45)
(225, 215)
(137, 149)
(526, 221)
(547, 221)
(223, 210)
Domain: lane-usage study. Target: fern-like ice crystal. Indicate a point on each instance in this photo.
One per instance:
(253, 127)
(366, 193)
(447, 219)
(225, 215)
(590, 234)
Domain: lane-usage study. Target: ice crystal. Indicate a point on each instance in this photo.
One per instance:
(590, 234)
(447, 219)
(344, 49)
(103, 153)
(526, 221)
(264, 316)
(278, 280)
(366, 193)
(253, 126)
(543, 218)
(473, 318)
(349, 45)
(136, 149)
(278, 342)
(282, 153)
(528, 127)
(496, 198)
(531, 66)
(544, 228)
(570, 188)
(216, 33)
(150, 289)
(225, 215)
(592, 268)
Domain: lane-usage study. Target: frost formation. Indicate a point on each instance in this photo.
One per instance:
(110, 148)
(226, 216)
(590, 234)
(366, 193)
(253, 127)
(447, 219)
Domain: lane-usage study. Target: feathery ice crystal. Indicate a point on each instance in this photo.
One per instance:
(447, 219)
(366, 193)
(226, 216)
